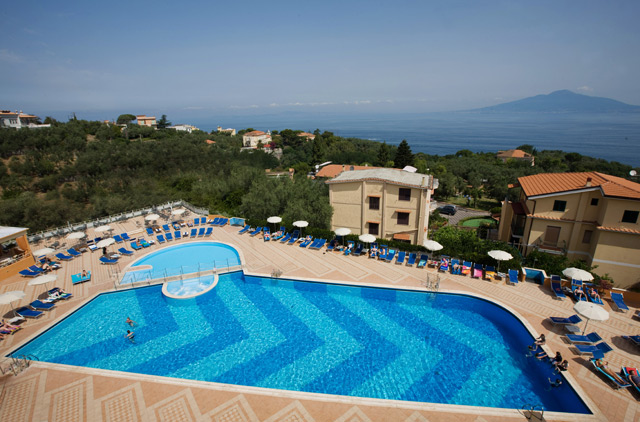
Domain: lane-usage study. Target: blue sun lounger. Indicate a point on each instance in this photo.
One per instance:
(391, 255)
(196, 221)
(165, 227)
(223, 222)
(108, 261)
(177, 235)
(42, 306)
(37, 269)
(423, 260)
(62, 296)
(64, 257)
(591, 338)
(383, 252)
(557, 290)
(286, 238)
(590, 349)
(144, 243)
(358, 250)
(28, 312)
(256, 231)
(149, 231)
(194, 232)
(618, 301)
(294, 237)
(245, 229)
(216, 221)
(574, 285)
(412, 259)
(135, 246)
(596, 300)
(349, 248)
(117, 238)
(124, 251)
(456, 268)
(318, 243)
(160, 238)
(306, 242)
(513, 277)
(573, 319)
(201, 231)
(169, 236)
(73, 252)
(401, 256)
(125, 237)
(208, 231)
(626, 371)
(27, 273)
(616, 384)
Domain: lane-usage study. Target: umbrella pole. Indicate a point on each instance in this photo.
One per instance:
(585, 326)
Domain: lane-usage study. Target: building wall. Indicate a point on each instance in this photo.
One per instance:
(252, 141)
(618, 254)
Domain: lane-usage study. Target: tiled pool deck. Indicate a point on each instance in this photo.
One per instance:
(48, 392)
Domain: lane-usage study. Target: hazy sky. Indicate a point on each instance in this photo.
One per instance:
(205, 58)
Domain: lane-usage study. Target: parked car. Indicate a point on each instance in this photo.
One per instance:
(448, 209)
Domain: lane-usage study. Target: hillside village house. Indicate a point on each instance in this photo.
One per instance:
(19, 120)
(144, 120)
(332, 170)
(307, 136)
(230, 131)
(183, 127)
(591, 216)
(251, 139)
(515, 154)
(387, 203)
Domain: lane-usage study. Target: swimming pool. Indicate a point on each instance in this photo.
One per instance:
(183, 258)
(315, 337)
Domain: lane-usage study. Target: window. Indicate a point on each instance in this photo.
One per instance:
(403, 218)
(373, 228)
(594, 201)
(404, 194)
(551, 236)
(586, 238)
(559, 205)
(630, 217)
(374, 203)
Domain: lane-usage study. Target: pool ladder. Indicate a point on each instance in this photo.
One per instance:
(529, 411)
(432, 282)
(18, 364)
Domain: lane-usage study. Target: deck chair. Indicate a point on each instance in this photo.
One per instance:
(208, 231)
(169, 236)
(412, 259)
(294, 237)
(595, 299)
(73, 252)
(64, 257)
(245, 229)
(196, 221)
(256, 231)
(27, 273)
(513, 277)
(589, 349)
(383, 252)
(306, 242)
(423, 260)
(117, 238)
(456, 268)
(573, 319)
(490, 272)
(201, 231)
(466, 267)
(125, 237)
(634, 339)
(401, 257)
(576, 288)
(443, 265)
(27, 312)
(194, 233)
(391, 255)
(177, 234)
(591, 338)
(160, 238)
(37, 269)
(616, 384)
(108, 261)
(286, 238)
(358, 250)
(618, 301)
(626, 371)
(124, 251)
(349, 249)
(135, 246)
(557, 290)
(42, 306)
(477, 271)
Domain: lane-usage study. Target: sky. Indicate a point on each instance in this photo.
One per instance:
(102, 59)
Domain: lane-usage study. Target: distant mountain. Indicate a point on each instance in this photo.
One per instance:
(563, 102)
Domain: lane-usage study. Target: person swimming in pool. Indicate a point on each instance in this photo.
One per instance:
(130, 335)
(130, 321)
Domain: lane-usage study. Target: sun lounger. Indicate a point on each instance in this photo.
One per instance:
(490, 272)
(466, 268)
(73, 252)
(149, 231)
(573, 319)
(27, 273)
(513, 277)
(617, 385)
(626, 371)
(286, 238)
(41, 306)
(401, 257)
(169, 236)
(196, 221)
(349, 248)
(124, 251)
(177, 235)
(391, 255)
(194, 232)
(135, 246)
(165, 227)
(412, 259)
(223, 222)
(477, 271)
(64, 257)
(208, 231)
(574, 286)
(105, 260)
(456, 268)
(117, 238)
(306, 242)
(557, 290)
(216, 221)
(591, 338)
(443, 265)
(175, 225)
(201, 231)
(125, 237)
(634, 339)
(618, 301)
(160, 238)
(36, 269)
(595, 299)
(318, 243)
(28, 312)
(358, 250)
(59, 296)
(256, 231)
(423, 260)
(77, 278)
(144, 243)
(294, 237)
(589, 349)
(245, 229)
(383, 252)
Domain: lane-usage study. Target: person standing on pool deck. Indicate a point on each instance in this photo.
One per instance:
(130, 335)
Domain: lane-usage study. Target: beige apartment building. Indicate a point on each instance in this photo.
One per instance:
(589, 216)
(387, 203)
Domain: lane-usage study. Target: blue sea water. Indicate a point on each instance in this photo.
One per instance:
(611, 136)
(315, 337)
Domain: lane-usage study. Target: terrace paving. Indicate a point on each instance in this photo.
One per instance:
(51, 392)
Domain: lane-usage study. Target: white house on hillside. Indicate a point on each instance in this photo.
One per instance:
(251, 139)
(19, 120)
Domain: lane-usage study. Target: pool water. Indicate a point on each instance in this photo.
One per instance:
(191, 286)
(315, 337)
(184, 258)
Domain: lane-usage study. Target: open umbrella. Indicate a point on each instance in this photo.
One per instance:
(590, 311)
(178, 211)
(367, 238)
(43, 279)
(342, 232)
(499, 255)
(106, 242)
(577, 274)
(432, 245)
(43, 251)
(152, 217)
(274, 220)
(10, 297)
(301, 224)
(76, 235)
(104, 228)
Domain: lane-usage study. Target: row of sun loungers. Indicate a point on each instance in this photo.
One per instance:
(218, 221)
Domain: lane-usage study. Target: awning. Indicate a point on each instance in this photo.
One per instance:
(407, 211)
(374, 196)
(373, 222)
(402, 236)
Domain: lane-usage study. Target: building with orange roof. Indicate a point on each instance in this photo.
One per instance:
(590, 216)
(515, 154)
(19, 120)
(308, 136)
(144, 120)
(253, 138)
(332, 170)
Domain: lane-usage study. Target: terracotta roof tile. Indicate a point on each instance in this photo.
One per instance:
(619, 229)
(255, 133)
(332, 170)
(513, 153)
(548, 183)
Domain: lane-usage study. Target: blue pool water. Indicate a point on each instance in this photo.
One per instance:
(183, 258)
(315, 337)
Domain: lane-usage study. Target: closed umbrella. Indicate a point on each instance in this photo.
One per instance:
(302, 224)
(10, 297)
(104, 228)
(590, 311)
(500, 256)
(43, 251)
(76, 235)
(577, 274)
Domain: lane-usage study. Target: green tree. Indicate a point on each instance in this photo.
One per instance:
(384, 154)
(163, 123)
(125, 119)
(404, 156)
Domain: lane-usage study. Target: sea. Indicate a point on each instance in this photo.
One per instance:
(610, 136)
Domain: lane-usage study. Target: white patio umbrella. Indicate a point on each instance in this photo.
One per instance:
(577, 274)
(432, 245)
(9, 297)
(178, 211)
(367, 238)
(104, 228)
(106, 242)
(342, 232)
(43, 279)
(590, 311)
(274, 220)
(302, 224)
(76, 235)
(499, 255)
(43, 251)
(152, 217)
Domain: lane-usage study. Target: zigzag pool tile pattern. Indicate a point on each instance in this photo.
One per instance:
(312, 337)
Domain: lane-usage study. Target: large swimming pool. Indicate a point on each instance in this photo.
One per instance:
(183, 258)
(315, 337)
